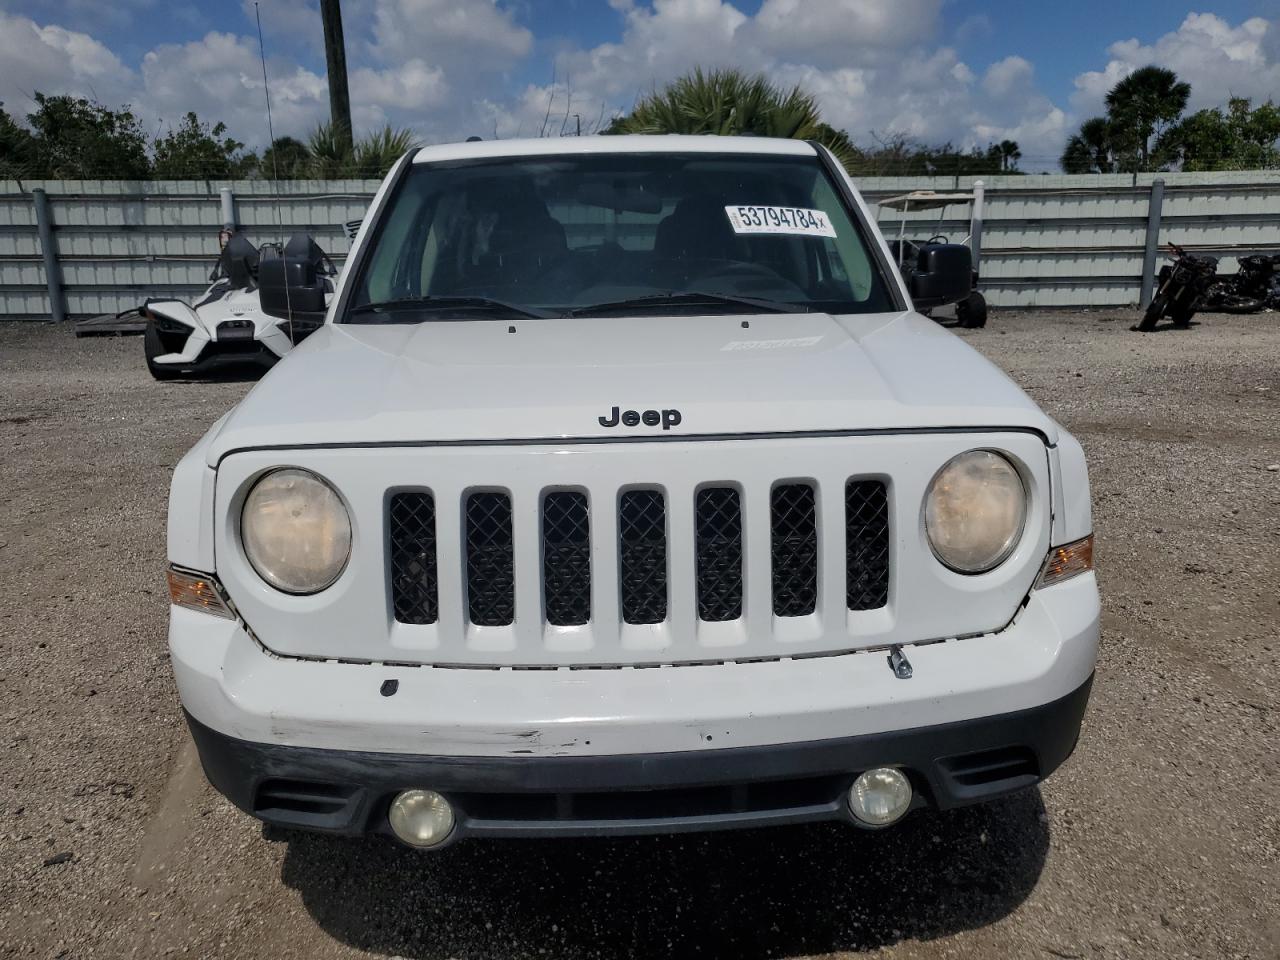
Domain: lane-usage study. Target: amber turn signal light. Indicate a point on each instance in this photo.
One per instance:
(197, 591)
(1067, 561)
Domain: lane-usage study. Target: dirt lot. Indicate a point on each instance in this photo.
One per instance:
(1160, 838)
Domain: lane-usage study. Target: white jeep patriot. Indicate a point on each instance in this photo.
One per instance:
(624, 491)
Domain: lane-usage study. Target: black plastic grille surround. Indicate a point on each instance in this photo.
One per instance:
(866, 521)
(718, 538)
(490, 546)
(793, 521)
(642, 556)
(566, 558)
(414, 586)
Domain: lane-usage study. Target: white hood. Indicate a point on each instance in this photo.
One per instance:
(492, 380)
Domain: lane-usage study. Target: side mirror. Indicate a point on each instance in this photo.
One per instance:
(943, 274)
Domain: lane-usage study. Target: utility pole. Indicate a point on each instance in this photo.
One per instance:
(335, 56)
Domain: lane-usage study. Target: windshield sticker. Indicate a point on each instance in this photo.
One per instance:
(793, 220)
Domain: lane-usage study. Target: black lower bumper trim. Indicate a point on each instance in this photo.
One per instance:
(349, 791)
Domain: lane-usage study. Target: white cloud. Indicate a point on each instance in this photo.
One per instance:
(1217, 59)
(477, 35)
(836, 31)
(867, 61)
(52, 59)
(220, 78)
(1010, 76)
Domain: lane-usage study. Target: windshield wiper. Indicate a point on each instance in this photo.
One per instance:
(691, 297)
(378, 311)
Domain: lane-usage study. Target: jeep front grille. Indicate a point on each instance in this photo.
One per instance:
(642, 556)
(491, 582)
(639, 531)
(566, 559)
(719, 554)
(794, 523)
(413, 558)
(866, 539)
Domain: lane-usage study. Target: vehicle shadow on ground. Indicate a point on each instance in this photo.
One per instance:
(762, 893)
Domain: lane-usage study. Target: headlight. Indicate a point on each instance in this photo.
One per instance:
(974, 511)
(296, 531)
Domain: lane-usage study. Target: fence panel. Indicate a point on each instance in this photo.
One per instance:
(1068, 241)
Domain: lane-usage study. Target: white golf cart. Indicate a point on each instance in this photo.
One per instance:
(972, 311)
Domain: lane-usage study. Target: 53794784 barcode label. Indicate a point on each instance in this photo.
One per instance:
(794, 220)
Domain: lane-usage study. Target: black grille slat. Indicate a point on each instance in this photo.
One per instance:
(566, 559)
(491, 587)
(642, 560)
(718, 537)
(866, 507)
(412, 534)
(794, 532)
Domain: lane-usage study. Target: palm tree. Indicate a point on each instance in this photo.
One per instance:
(730, 102)
(1010, 154)
(331, 155)
(1090, 150)
(1141, 107)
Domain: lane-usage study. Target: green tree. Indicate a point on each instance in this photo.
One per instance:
(730, 102)
(75, 138)
(1141, 107)
(1090, 150)
(286, 159)
(196, 150)
(17, 149)
(1009, 154)
(377, 153)
(1242, 137)
(330, 157)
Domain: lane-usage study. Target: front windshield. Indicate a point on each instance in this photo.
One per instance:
(559, 235)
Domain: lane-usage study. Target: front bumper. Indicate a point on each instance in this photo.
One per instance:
(349, 792)
(725, 744)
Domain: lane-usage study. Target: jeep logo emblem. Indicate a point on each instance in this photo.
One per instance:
(633, 418)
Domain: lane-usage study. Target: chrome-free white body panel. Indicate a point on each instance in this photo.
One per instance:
(488, 381)
(229, 683)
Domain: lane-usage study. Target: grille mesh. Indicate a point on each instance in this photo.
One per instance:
(566, 559)
(413, 558)
(719, 554)
(866, 544)
(794, 523)
(642, 550)
(491, 589)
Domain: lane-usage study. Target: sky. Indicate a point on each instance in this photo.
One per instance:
(962, 71)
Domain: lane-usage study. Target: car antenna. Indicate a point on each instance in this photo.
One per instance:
(275, 174)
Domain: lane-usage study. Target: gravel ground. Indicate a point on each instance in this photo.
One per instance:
(1160, 838)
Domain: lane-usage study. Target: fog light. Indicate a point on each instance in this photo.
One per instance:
(880, 796)
(421, 818)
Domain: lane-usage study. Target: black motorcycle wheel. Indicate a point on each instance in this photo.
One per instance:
(152, 348)
(971, 312)
(1181, 315)
(1154, 312)
(1235, 303)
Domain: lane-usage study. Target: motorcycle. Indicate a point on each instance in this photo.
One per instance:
(260, 304)
(1179, 289)
(1252, 288)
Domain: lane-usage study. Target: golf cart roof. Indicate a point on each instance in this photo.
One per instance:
(925, 200)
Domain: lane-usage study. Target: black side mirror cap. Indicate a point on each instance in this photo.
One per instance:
(943, 274)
